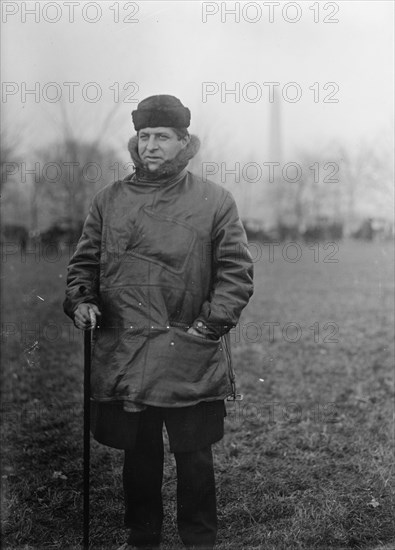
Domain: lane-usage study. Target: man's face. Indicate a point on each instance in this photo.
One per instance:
(156, 145)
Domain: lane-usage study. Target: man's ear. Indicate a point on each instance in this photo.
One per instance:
(185, 140)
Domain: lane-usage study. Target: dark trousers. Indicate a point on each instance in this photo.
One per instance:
(142, 481)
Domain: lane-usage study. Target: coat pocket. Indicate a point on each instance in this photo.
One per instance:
(194, 356)
(184, 369)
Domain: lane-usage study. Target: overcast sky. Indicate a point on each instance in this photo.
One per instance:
(195, 50)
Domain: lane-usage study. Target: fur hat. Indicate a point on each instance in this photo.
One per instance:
(161, 110)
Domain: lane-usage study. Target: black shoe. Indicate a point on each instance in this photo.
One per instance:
(128, 546)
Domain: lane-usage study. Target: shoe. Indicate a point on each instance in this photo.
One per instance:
(127, 546)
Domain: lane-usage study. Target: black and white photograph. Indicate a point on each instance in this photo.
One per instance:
(197, 275)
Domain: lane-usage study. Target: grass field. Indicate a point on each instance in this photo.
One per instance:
(307, 459)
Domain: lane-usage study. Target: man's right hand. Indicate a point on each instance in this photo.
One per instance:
(85, 316)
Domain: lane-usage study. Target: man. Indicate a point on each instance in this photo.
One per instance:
(163, 266)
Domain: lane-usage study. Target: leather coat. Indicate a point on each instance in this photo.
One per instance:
(158, 258)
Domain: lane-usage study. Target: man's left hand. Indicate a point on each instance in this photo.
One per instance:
(194, 332)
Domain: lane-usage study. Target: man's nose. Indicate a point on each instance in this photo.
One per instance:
(151, 145)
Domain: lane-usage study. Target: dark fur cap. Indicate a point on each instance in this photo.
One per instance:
(161, 110)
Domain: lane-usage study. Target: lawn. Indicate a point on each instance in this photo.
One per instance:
(307, 459)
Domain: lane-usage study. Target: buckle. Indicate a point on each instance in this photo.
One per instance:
(235, 397)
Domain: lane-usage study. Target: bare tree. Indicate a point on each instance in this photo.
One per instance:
(71, 172)
(13, 192)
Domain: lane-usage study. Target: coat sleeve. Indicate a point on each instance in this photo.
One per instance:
(84, 266)
(232, 284)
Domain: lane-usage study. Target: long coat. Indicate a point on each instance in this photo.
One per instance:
(158, 258)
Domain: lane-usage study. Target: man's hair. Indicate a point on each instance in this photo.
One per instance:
(181, 132)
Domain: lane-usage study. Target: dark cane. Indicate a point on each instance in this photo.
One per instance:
(87, 376)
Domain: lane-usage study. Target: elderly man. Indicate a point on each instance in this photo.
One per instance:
(163, 267)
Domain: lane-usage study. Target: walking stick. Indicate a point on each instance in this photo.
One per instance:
(87, 421)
